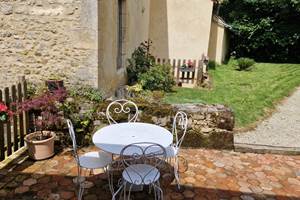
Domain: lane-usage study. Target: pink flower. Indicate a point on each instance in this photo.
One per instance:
(190, 63)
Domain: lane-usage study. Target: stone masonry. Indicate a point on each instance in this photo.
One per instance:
(44, 39)
(209, 126)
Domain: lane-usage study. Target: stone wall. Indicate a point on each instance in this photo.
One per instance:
(44, 39)
(209, 126)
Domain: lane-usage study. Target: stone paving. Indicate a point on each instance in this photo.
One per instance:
(210, 174)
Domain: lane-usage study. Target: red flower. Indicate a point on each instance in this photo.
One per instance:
(3, 108)
(5, 113)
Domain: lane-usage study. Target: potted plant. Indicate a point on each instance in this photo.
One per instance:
(54, 83)
(5, 113)
(40, 143)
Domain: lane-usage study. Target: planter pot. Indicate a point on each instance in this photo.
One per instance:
(54, 84)
(40, 149)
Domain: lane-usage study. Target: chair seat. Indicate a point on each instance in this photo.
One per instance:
(171, 151)
(141, 174)
(94, 160)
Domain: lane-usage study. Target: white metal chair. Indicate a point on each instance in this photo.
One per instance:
(90, 160)
(122, 106)
(180, 121)
(142, 162)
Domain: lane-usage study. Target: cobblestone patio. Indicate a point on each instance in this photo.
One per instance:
(211, 174)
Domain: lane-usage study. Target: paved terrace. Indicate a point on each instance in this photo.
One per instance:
(211, 174)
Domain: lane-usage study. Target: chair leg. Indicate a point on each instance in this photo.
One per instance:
(110, 180)
(81, 190)
(129, 192)
(176, 173)
(78, 174)
(115, 194)
(155, 191)
(124, 197)
(158, 191)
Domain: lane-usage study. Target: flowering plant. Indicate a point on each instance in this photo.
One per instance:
(189, 65)
(5, 113)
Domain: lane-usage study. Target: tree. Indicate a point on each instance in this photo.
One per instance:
(266, 30)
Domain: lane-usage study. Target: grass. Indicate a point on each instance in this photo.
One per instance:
(249, 93)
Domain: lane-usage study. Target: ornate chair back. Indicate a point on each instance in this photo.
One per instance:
(143, 161)
(179, 124)
(122, 106)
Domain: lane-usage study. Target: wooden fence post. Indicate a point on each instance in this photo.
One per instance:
(8, 125)
(2, 150)
(15, 119)
(200, 72)
(26, 116)
(21, 118)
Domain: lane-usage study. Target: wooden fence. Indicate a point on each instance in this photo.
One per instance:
(183, 73)
(13, 131)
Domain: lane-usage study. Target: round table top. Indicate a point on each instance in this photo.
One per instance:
(115, 137)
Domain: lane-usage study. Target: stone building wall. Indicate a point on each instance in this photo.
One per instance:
(44, 39)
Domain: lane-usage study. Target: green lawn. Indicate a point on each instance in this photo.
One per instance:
(248, 93)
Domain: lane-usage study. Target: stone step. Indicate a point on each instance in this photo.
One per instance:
(258, 148)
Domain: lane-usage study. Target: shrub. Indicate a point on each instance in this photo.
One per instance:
(212, 64)
(157, 78)
(135, 90)
(245, 63)
(47, 104)
(87, 92)
(140, 62)
(81, 111)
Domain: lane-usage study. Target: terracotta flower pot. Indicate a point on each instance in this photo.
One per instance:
(40, 149)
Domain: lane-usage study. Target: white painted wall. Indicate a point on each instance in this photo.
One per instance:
(188, 28)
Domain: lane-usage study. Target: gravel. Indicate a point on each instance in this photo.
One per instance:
(282, 129)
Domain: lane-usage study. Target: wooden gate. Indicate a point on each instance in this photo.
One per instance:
(186, 72)
(13, 131)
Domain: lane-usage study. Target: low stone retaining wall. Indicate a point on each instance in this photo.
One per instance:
(209, 126)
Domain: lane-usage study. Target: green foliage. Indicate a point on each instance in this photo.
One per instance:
(83, 127)
(137, 88)
(157, 77)
(212, 64)
(81, 119)
(88, 92)
(140, 62)
(34, 90)
(267, 30)
(81, 107)
(245, 63)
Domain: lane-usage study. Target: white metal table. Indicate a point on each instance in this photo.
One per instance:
(115, 137)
